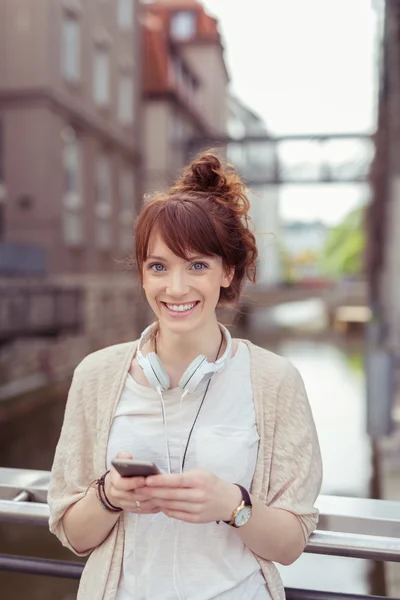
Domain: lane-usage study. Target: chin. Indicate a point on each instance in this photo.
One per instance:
(181, 325)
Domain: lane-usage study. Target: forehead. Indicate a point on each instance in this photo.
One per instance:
(157, 246)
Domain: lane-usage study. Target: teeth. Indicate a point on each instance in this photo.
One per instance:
(181, 307)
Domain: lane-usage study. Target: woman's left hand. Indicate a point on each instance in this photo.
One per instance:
(195, 497)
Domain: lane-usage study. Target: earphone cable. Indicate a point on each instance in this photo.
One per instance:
(199, 409)
(159, 391)
(197, 414)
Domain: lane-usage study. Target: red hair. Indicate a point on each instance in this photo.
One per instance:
(205, 212)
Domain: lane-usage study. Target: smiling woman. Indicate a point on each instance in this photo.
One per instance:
(205, 214)
(227, 424)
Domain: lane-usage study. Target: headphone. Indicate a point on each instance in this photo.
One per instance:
(199, 370)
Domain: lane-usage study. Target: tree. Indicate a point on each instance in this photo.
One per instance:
(343, 252)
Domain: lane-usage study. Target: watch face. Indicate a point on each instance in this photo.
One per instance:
(243, 516)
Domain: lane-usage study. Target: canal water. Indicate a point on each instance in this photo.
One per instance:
(334, 378)
(332, 369)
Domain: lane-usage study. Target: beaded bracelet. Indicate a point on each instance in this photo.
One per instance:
(102, 496)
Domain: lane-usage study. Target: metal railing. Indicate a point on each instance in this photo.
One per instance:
(348, 527)
(32, 309)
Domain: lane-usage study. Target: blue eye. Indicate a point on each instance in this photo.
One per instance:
(157, 267)
(199, 266)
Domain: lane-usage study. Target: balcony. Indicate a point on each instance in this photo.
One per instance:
(22, 259)
(32, 309)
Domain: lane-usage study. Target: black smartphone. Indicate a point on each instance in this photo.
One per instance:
(128, 467)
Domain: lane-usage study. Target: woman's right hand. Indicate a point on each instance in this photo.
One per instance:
(128, 493)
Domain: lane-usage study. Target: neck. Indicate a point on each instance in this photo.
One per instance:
(180, 349)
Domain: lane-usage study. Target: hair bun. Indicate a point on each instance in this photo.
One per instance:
(205, 174)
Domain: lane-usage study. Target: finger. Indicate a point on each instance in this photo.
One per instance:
(126, 484)
(165, 493)
(144, 510)
(175, 480)
(140, 496)
(183, 507)
(130, 498)
(124, 455)
(144, 507)
(183, 516)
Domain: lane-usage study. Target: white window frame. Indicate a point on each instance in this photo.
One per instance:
(72, 218)
(71, 47)
(101, 75)
(127, 203)
(125, 106)
(103, 205)
(183, 25)
(125, 10)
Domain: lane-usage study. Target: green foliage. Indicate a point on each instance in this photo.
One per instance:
(286, 266)
(344, 247)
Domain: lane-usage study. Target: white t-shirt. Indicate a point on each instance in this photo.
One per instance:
(166, 559)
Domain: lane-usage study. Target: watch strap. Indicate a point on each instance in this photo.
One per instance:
(246, 500)
(245, 495)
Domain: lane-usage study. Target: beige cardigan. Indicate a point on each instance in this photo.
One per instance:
(288, 468)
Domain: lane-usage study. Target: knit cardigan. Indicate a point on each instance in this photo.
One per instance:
(288, 467)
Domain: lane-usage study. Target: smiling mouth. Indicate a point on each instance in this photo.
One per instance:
(181, 308)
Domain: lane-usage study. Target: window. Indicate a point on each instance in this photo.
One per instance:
(72, 203)
(127, 203)
(101, 76)
(176, 128)
(103, 207)
(183, 25)
(1, 152)
(125, 99)
(71, 48)
(125, 14)
(178, 70)
(2, 186)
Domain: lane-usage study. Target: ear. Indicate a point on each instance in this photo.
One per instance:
(227, 278)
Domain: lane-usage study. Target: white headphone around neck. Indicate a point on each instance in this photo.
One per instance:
(199, 370)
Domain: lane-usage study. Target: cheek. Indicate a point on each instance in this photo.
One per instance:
(148, 286)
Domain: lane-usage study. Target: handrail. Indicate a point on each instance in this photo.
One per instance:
(27, 513)
(73, 570)
(340, 514)
(352, 527)
(355, 545)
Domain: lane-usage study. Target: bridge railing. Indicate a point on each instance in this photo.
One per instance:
(32, 309)
(348, 527)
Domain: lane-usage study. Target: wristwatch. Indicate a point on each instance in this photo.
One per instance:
(242, 513)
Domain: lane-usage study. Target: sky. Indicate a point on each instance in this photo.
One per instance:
(305, 66)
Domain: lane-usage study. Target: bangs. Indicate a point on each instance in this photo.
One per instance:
(185, 228)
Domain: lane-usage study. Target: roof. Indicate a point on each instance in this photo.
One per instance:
(160, 50)
(206, 26)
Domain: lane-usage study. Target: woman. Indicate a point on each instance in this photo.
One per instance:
(231, 430)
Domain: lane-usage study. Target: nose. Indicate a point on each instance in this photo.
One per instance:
(177, 284)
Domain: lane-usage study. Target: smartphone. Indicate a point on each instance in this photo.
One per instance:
(128, 467)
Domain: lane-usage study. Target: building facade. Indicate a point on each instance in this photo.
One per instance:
(69, 129)
(383, 252)
(184, 85)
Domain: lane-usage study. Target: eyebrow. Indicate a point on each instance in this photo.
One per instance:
(153, 257)
(161, 258)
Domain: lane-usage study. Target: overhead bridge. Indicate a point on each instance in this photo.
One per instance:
(330, 158)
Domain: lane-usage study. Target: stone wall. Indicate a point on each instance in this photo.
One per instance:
(113, 312)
